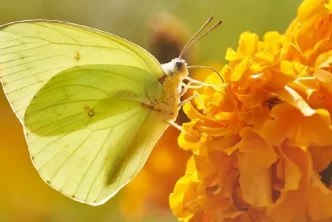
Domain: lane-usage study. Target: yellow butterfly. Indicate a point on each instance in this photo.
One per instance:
(92, 104)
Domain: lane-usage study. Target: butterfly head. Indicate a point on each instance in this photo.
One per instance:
(176, 67)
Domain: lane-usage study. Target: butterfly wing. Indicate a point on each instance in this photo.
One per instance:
(32, 52)
(79, 93)
(88, 132)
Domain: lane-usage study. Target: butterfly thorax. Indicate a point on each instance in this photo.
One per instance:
(175, 72)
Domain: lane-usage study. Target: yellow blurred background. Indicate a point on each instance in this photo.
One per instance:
(23, 194)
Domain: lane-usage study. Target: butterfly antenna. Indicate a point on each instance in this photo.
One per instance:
(207, 67)
(194, 36)
(192, 41)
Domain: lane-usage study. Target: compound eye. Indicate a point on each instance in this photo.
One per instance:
(179, 65)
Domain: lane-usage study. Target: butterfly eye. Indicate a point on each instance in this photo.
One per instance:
(179, 65)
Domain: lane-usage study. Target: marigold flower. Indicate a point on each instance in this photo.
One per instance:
(265, 143)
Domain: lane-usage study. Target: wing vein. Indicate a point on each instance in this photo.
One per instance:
(26, 43)
(63, 86)
(60, 104)
(35, 73)
(93, 160)
(10, 39)
(69, 44)
(138, 56)
(71, 116)
(126, 161)
(24, 50)
(132, 116)
(58, 31)
(39, 60)
(67, 159)
(48, 133)
(59, 151)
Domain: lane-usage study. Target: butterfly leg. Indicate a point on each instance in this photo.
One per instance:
(189, 86)
(182, 103)
(178, 127)
(195, 84)
(201, 84)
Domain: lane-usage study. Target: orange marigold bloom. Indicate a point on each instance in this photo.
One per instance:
(265, 143)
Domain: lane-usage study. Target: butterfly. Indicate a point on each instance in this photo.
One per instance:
(92, 104)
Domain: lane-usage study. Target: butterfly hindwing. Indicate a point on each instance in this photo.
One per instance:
(88, 132)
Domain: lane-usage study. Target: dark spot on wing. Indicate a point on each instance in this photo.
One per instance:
(91, 113)
(77, 56)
